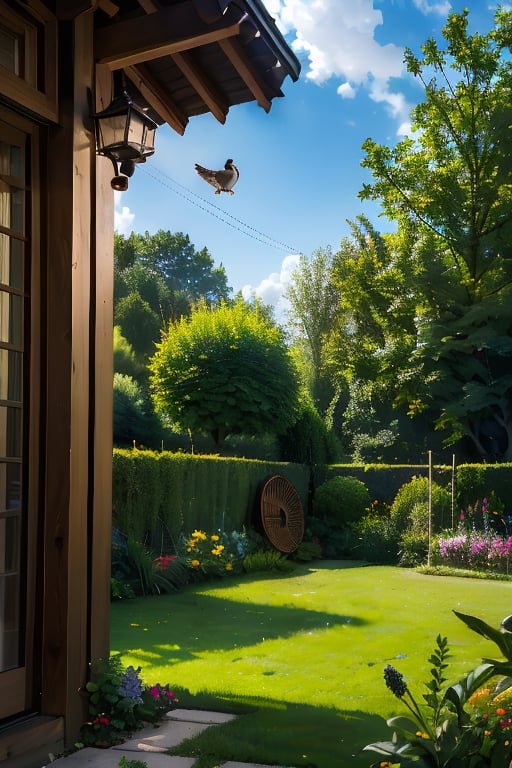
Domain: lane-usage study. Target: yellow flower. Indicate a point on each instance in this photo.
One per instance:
(195, 563)
(214, 537)
(199, 535)
(229, 566)
(422, 735)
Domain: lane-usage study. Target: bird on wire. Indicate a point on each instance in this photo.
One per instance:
(223, 180)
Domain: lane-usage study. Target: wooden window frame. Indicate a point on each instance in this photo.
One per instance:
(24, 90)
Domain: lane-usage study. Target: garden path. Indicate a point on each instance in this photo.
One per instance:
(151, 744)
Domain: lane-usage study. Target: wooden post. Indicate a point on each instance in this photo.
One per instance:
(429, 506)
(453, 492)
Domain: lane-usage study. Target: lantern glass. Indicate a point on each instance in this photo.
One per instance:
(124, 132)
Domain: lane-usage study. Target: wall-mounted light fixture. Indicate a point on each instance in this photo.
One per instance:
(126, 135)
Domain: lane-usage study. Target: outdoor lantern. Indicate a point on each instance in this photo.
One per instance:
(126, 135)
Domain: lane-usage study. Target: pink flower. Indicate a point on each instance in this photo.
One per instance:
(155, 692)
(171, 695)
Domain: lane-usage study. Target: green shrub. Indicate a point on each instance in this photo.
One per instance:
(344, 499)
(375, 540)
(413, 548)
(267, 560)
(307, 551)
(334, 539)
(411, 502)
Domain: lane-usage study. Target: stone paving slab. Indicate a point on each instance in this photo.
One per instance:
(162, 738)
(109, 758)
(234, 764)
(200, 716)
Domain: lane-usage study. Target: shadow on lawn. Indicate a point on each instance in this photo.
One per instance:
(161, 624)
(279, 733)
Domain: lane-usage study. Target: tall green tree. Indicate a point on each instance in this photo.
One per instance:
(451, 184)
(314, 299)
(174, 258)
(225, 370)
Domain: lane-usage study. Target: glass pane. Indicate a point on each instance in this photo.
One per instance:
(10, 432)
(11, 373)
(10, 487)
(10, 51)
(11, 318)
(9, 622)
(11, 160)
(11, 262)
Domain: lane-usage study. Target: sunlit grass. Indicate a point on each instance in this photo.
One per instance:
(303, 654)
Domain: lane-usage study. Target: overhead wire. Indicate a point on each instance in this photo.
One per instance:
(217, 212)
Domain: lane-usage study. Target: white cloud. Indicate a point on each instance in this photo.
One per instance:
(346, 91)
(271, 288)
(123, 217)
(338, 38)
(425, 7)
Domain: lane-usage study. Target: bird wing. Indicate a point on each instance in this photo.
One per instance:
(209, 176)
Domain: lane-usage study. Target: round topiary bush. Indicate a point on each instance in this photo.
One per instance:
(342, 499)
(410, 506)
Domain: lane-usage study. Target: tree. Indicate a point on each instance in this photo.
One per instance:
(225, 370)
(138, 323)
(451, 185)
(314, 298)
(174, 258)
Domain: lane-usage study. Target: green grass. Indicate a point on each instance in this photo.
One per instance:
(302, 655)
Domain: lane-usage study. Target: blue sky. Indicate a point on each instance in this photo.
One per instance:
(299, 165)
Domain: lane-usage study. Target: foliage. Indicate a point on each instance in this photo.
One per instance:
(139, 324)
(119, 703)
(476, 550)
(174, 258)
(135, 570)
(439, 732)
(134, 420)
(225, 371)
(333, 538)
(125, 360)
(124, 763)
(154, 491)
(313, 298)
(267, 560)
(216, 554)
(447, 187)
(308, 551)
(375, 539)
(308, 440)
(412, 500)
(343, 499)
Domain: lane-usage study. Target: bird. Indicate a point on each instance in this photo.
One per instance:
(223, 180)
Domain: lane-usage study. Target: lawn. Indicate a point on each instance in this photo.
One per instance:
(302, 654)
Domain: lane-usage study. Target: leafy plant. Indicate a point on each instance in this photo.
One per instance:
(343, 499)
(119, 703)
(215, 554)
(447, 731)
(124, 763)
(267, 560)
(410, 505)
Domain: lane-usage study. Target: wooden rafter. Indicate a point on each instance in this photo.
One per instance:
(236, 54)
(172, 30)
(157, 97)
(202, 84)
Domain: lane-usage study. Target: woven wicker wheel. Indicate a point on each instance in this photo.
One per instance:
(281, 514)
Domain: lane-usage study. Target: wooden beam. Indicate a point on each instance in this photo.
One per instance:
(236, 54)
(203, 85)
(157, 97)
(172, 30)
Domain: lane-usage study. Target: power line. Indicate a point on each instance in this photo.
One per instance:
(207, 206)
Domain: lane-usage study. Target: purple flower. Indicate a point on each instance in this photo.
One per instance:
(131, 687)
(395, 681)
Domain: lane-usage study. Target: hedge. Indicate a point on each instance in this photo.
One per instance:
(159, 494)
